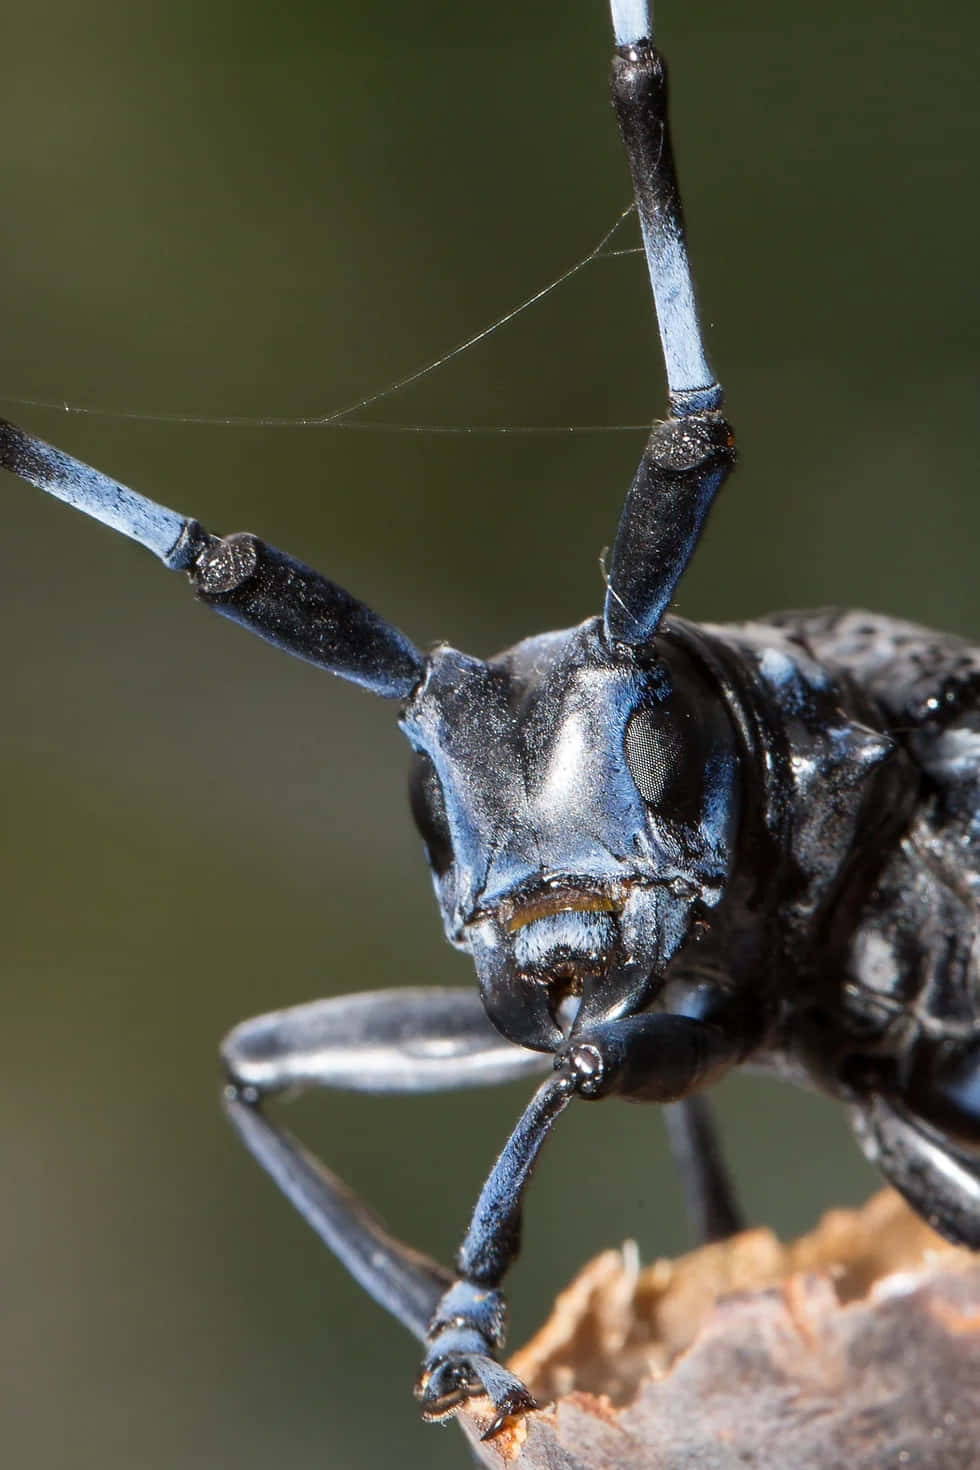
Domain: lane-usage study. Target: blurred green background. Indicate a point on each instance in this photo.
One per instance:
(274, 210)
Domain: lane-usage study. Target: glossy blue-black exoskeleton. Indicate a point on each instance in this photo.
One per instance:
(668, 848)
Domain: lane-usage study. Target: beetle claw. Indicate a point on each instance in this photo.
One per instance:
(519, 1401)
(443, 1391)
(449, 1385)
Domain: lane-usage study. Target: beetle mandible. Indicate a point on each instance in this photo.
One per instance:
(630, 832)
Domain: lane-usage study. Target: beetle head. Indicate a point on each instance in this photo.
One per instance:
(578, 803)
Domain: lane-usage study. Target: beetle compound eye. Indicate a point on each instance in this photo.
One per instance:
(428, 805)
(651, 749)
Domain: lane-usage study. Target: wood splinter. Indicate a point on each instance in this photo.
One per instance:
(856, 1345)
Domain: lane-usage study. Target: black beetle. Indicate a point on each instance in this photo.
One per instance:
(668, 849)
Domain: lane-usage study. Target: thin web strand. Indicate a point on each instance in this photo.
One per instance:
(342, 418)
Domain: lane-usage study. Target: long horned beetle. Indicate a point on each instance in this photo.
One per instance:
(668, 848)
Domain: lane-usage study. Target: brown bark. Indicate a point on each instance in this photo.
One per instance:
(857, 1345)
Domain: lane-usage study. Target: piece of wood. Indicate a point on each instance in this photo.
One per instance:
(857, 1345)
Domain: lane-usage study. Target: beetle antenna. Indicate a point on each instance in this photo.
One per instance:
(283, 601)
(687, 458)
(639, 89)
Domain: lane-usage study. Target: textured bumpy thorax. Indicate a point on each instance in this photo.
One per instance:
(912, 970)
(837, 790)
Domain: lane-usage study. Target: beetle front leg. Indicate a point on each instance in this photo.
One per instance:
(649, 1058)
(468, 1328)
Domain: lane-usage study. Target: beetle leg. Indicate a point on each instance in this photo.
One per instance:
(924, 1135)
(403, 1281)
(469, 1324)
(943, 1086)
(938, 1176)
(709, 1193)
(390, 1041)
(650, 1058)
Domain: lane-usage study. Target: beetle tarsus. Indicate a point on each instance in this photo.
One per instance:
(447, 1384)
